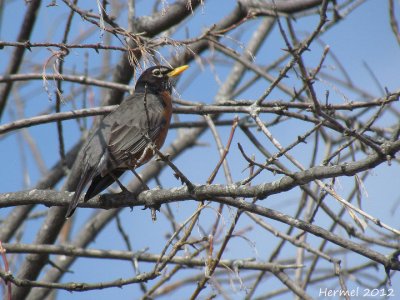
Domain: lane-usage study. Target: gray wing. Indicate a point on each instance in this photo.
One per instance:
(118, 138)
(128, 128)
(90, 156)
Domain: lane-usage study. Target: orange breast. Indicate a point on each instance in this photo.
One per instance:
(167, 102)
(141, 158)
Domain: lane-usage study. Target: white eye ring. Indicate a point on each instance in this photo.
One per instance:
(157, 73)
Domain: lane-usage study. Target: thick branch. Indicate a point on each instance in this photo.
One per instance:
(159, 196)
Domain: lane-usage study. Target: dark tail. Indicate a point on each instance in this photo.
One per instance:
(100, 183)
(86, 177)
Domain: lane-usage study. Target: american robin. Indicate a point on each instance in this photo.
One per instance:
(121, 141)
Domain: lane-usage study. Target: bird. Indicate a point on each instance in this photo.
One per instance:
(121, 141)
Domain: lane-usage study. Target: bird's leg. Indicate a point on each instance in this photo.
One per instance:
(144, 185)
(121, 186)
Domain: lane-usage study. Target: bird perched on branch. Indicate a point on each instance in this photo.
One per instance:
(121, 142)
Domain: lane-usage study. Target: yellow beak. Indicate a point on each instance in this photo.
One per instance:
(177, 71)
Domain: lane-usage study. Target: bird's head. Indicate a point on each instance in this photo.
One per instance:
(158, 79)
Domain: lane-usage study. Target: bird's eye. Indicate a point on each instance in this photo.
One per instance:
(157, 73)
